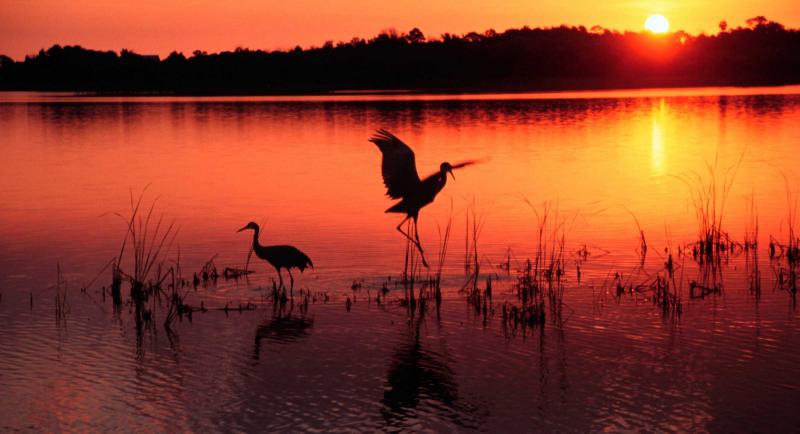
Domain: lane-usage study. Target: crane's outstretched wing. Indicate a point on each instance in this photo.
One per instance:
(465, 163)
(399, 167)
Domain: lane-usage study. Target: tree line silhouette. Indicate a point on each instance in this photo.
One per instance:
(762, 52)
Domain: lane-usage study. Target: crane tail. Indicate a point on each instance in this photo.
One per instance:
(307, 263)
(399, 207)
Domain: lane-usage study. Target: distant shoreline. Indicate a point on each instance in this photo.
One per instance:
(12, 96)
(764, 53)
(398, 92)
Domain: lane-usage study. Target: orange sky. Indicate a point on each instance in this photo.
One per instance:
(160, 26)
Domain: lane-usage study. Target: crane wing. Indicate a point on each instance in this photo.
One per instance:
(465, 164)
(399, 166)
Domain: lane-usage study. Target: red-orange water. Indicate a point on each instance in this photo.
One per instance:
(304, 169)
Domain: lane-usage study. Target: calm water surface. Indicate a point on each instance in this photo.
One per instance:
(730, 362)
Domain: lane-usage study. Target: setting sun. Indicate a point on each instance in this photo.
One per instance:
(656, 24)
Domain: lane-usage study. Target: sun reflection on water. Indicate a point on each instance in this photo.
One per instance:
(657, 156)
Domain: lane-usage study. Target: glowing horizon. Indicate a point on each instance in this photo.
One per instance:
(151, 27)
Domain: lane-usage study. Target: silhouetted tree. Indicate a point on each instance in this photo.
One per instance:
(415, 36)
(756, 21)
(564, 57)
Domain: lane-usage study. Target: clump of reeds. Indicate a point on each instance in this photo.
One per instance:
(474, 227)
(786, 278)
(472, 233)
(530, 315)
(146, 241)
(709, 196)
(208, 273)
(235, 273)
(278, 293)
(444, 240)
(383, 291)
(480, 298)
(666, 295)
(531, 312)
(549, 261)
(540, 283)
(175, 301)
(793, 243)
(418, 289)
(750, 246)
(532, 296)
(709, 282)
(642, 250)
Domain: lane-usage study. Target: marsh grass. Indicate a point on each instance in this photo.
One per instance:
(792, 249)
(667, 295)
(642, 249)
(709, 196)
(479, 298)
(235, 272)
(532, 311)
(539, 285)
(668, 291)
(208, 272)
(149, 242)
(176, 306)
(750, 246)
(419, 286)
(411, 271)
(444, 241)
(474, 226)
(549, 261)
(786, 277)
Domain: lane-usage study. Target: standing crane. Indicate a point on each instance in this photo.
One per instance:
(287, 257)
(399, 170)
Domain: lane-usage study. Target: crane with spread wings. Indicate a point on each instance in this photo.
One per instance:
(399, 169)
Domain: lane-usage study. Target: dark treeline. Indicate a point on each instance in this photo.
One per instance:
(762, 52)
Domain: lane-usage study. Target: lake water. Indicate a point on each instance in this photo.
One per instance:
(605, 164)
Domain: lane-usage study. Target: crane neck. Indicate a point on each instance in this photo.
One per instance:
(255, 237)
(443, 178)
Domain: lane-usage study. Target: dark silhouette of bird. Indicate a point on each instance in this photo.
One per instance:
(282, 329)
(399, 169)
(287, 257)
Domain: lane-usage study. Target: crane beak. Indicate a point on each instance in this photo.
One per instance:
(451, 174)
(242, 229)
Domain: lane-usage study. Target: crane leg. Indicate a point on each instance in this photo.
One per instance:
(414, 240)
(280, 278)
(400, 229)
(419, 244)
(291, 279)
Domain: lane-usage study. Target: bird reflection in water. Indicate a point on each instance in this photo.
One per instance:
(281, 328)
(419, 375)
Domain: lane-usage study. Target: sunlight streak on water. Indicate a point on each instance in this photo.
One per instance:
(657, 145)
